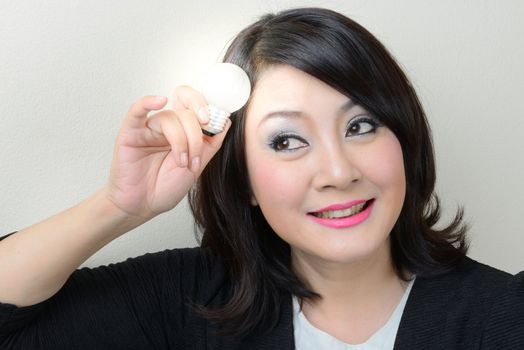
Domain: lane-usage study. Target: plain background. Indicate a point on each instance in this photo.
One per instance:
(70, 69)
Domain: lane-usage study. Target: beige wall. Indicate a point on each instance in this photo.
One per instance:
(70, 69)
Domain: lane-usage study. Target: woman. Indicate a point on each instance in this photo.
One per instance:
(317, 215)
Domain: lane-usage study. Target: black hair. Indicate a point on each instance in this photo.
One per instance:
(344, 55)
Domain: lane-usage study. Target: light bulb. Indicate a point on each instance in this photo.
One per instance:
(226, 89)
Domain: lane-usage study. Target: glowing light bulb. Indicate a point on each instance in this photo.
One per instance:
(226, 89)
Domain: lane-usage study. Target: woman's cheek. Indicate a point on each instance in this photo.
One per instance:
(386, 166)
(275, 183)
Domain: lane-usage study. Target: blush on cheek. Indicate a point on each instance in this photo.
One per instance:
(273, 183)
(387, 162)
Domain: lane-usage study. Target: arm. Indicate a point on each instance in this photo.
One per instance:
(35, 262)
(152, 170)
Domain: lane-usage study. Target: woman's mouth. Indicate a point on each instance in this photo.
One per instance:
(340, 216)
(342, 213)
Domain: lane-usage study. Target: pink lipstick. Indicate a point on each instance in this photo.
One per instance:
(346, 221)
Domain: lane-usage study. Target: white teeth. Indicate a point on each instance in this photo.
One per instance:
(335, 214)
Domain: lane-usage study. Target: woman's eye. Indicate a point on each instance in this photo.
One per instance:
(283, 143)
(361, 126)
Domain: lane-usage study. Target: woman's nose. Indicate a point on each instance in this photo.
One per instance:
(336, 169)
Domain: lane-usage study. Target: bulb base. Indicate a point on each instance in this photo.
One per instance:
(217, 120)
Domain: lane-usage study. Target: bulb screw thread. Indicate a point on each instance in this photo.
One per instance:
(217, 120)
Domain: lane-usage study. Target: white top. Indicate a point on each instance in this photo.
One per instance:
(308, 337)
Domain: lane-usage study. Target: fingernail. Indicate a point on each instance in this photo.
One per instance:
(203, 115)
(160, 98)
(195, 164)
(183, 159)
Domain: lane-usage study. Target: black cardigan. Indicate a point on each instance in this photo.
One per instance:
(145, 303)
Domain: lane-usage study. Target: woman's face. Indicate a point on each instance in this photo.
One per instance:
(327, 176)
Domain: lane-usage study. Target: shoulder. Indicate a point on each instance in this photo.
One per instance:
(503, 296)
(190, 263)
(504, 328)
(186, 258)
(475, 278)
(461, 308)
(180, 261)
(194, 272)
(472, 285)
(469, 277)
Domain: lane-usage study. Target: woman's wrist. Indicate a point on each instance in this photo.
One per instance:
(110, 216)
(84, 229)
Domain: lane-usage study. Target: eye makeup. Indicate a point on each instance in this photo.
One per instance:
(362, 125)
(285, 141)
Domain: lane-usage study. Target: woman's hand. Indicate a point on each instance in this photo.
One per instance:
(157, 158)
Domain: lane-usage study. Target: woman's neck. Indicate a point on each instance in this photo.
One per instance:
(357, 298)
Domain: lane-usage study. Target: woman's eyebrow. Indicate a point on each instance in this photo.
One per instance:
(297, 114)
(347, 106)
(280, 114)
(283, 114)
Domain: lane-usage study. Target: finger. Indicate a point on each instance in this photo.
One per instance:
(167, 124)
(194, 138)
(185, 97)
(137, 114)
